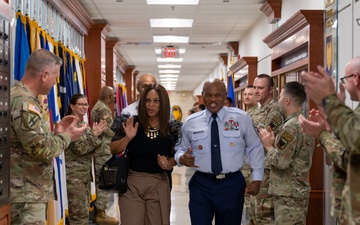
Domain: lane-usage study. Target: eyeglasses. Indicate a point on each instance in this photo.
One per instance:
(82, 104)
(343, 79)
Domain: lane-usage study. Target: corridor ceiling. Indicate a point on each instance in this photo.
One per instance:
(215, 23)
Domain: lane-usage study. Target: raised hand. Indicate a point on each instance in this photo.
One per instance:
(129, 127)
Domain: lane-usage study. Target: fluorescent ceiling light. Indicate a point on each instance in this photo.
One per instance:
(171, 39)
(172, 2)
(169, 82)
(170, 59)
(171, 22)
(168, 79)
(169, 71)
(181, 50)
(168, 75)
(169, 66)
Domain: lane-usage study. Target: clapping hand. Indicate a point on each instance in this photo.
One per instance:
(68, 125)
(267, 137)
(315, 124)
(99, 128)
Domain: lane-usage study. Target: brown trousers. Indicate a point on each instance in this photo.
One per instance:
(147, 200)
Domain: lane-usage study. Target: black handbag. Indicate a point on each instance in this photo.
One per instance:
(114, 173)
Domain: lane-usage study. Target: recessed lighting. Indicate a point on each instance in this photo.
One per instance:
(171, 22)
(170, 59)
(169, 71)
(181, 50)
(173, 2)
(171, 39)
(169, 66)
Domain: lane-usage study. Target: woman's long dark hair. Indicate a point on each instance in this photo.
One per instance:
(164, 112)
(73, 101)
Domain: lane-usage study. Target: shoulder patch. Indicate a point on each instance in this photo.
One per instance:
(33, 108)
(105, 116)
(275, 123)
(285, 138)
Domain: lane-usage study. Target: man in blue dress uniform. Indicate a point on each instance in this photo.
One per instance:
(214, 142)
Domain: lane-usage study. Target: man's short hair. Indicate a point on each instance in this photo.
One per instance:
(296, 91)
(268, 77)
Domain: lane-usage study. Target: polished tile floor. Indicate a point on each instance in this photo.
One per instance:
(179, 198)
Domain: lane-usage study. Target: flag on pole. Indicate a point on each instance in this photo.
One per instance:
(231, 91)
(22, 50)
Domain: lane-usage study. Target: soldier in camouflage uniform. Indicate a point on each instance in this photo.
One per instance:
(318, 127)
(251, 106)
(262, 206)
(345, 123)
(250, 101)
(290, 159)
(78, 162)
(32, 145)
(101, 111)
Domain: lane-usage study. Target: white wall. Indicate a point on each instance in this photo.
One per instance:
(218, 72)
(184, 99)
(251, 44)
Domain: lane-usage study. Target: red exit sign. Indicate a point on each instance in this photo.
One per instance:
(170, 52)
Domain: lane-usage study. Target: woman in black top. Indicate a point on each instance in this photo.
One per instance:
(151, 153)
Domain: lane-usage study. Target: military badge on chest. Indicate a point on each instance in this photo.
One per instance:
(231, 125)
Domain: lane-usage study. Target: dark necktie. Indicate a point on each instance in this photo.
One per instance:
(216, 166)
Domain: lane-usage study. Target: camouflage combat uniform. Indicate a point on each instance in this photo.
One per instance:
(78, 175)
(246, 170)
(32, 151)
(339, 156)
(100, 112)
(345, 124)
(290, 164)
(262, 206)
(252, 110)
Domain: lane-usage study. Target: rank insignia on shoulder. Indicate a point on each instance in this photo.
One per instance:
(231, 125)
(284, 140)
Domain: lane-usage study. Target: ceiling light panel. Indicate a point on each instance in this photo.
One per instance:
(169, 66)
(169, 71)
(168, 79)
(171, 39)
(172, 2)
(168, 75)
(171, 22)
(170, 59)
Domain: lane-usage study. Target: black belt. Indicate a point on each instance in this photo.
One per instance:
(220, 176)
